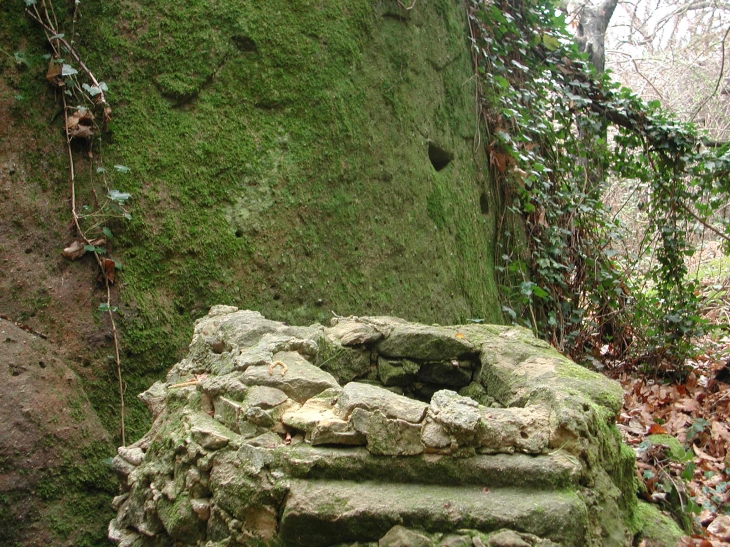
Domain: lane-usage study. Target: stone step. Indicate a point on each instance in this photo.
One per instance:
(551, 471)
(321, 513)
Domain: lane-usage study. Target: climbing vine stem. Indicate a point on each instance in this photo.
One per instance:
(80, 125)
(558, 131)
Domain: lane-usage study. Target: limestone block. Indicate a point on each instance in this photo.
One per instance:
(352, 332)
(402, 372)
(426, 343)
(392, 437)
(370, 397)
(179, 519)
(208, 433)
(335, 431)
(509, 429)
(507, 538)
(265, 397)
(252, 357)
(300, 379)
(201, 507)
(399, 536)
(259, 417)
(228, 413)
(434, 435)
(154, 398)
(459, 416)
(344, 363)
(313, 411)
(254, 458)
(229, 385)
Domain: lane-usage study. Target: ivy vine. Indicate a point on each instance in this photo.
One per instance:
(557, 132)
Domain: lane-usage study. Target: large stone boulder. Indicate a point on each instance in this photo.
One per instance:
(54, 484)
(259, 440)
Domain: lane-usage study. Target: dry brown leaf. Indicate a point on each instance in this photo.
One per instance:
(656, 429)
(687, 405)
(109, 269)
(499, 160)
(81, 132)
(74, 250)
(720, 527)
(704, 455)
(80, 124)
(53, 75)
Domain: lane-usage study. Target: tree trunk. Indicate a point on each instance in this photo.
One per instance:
(592, 24)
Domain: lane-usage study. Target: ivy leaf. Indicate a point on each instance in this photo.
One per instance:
(119, 197)
(551, 43)
(68, 70)
(20, 58)
(94, 249)
(500, 81)
(92, 90)
(540, 293)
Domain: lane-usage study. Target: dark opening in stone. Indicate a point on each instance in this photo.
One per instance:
(439, 157)
(484, 203)
(244, 43)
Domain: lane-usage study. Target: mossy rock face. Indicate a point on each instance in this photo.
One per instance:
(294, 158)
(256, 444)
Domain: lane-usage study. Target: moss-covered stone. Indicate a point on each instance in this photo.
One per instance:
(550, 466)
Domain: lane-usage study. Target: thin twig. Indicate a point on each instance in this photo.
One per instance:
(409, 8)
(75, 217)
(719, 78)
(72, 51)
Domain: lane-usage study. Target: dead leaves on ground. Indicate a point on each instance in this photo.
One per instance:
(696, 413)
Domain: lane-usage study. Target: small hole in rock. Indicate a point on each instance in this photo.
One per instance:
(523, 434)
(244, 43)
(484, 203)
(439, 157)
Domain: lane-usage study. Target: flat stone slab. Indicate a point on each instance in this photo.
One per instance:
(427, 343)
(555, 470)
(299, 378)
(371, 398)
(318, 513)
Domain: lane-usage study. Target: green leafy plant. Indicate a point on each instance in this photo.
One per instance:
(557, 131)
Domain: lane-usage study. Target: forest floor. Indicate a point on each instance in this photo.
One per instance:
(680, 431)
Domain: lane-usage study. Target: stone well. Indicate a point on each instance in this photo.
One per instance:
(375, 431)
